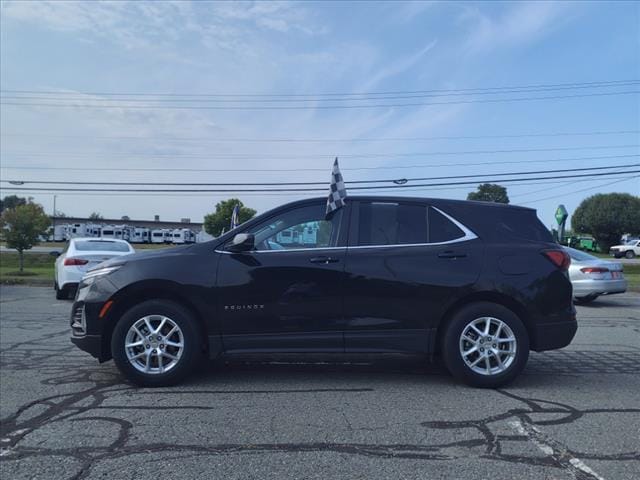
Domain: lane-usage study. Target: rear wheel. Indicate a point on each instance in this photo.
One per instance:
(629, 254)
(156, 343)
(61, 293)
(586, 299)
(485, 345)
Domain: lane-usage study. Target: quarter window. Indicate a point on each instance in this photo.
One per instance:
(441, 229)
(304, 227)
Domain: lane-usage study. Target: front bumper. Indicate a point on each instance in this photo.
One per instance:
(583, 288)
(86, 327)
(89, 343)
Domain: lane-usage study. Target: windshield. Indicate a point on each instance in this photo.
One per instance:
(101, 246)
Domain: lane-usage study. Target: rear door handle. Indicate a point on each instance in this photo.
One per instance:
(450, 254)
(323, 259)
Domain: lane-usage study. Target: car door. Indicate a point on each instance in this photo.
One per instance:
(406, 262)
(285, 295)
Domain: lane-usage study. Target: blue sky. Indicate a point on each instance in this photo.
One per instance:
(306, 48)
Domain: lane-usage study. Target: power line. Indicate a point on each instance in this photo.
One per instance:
(253, 170)
(250, 156)
(329, 140)
(581, 190)
(319, 107)
(71, 96)
(473, 182)
(262, 184)
(307, 194)
(400, 92)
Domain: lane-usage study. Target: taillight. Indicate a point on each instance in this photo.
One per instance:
(559, 258)
(594, 270)
(75, 261)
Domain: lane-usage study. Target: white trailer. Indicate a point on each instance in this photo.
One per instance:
(140, 235)
(59, 233)
(183, 235)
(114, 231)
(157, 235)
(93, 230)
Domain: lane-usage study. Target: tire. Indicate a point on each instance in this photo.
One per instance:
(175, 369)
(629, 254)
(61, 293)
(453, 344)
(586, 299)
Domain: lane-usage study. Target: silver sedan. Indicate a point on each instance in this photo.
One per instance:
(592, 276)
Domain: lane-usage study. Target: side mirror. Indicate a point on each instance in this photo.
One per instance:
(55, 253)
(242, 242)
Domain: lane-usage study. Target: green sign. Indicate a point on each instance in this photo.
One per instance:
(561, 214)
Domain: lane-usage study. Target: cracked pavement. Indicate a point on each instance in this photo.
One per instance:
(573, 414)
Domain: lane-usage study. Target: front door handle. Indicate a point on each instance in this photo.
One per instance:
(450, 254)
(324, 259)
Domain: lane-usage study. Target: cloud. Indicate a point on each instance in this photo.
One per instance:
(520, 23)
(396, 68)
(136, 25)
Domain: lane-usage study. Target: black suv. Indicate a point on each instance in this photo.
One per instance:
(479, 284)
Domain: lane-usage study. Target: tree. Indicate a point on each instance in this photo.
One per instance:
(95, 216)
(11, 201)
(21, 227)
(608, 216)
(489, 192)
(215, 222)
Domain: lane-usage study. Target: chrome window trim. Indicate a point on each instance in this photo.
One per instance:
(468, 235)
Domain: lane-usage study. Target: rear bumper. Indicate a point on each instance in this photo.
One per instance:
(553, 330)
(551, 336)
(583, 288)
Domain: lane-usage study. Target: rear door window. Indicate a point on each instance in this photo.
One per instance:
(389, 223)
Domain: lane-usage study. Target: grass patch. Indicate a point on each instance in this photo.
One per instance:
(632, 274)
(38, 268)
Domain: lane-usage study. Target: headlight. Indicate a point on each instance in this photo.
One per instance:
(99, 272)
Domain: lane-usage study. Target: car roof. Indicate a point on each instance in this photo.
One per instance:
(430, 200)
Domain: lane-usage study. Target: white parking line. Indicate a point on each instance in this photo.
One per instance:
(574, 466)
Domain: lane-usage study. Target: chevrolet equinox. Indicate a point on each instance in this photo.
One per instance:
(476, 284)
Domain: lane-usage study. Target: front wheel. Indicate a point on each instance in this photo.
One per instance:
(629, 254)
(485, 345)
(156, 343)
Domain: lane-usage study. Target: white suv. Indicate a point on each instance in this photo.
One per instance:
(629, 250)
(80, 255)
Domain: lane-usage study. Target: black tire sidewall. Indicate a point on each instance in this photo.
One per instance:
(629, 254)
(586, 299)
(178, 314)
(451, 351)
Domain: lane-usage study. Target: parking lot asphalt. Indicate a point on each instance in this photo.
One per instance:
(573, 414)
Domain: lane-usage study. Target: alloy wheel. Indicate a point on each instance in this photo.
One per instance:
(488, 346)
(154, 344)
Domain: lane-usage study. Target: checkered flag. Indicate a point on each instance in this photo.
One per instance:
(235, 217)
(337, 190)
